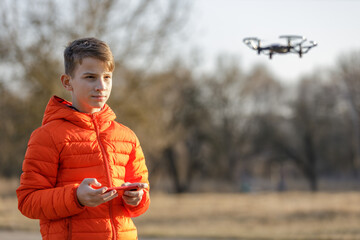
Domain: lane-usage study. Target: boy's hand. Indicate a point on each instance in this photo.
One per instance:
(133, 198)
(92, 197)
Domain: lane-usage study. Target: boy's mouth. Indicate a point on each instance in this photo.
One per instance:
(101, 97)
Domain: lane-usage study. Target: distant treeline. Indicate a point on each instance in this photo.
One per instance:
(220, 125)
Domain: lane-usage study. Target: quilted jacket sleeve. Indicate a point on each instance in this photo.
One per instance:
(37, 196)
(136, 171)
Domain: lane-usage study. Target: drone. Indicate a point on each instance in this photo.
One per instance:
(295, 44)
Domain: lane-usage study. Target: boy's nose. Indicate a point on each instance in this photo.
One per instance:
(101, 85)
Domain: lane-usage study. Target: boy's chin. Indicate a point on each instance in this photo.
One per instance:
(97, 102)
(97, 106)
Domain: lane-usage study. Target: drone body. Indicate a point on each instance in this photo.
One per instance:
(295, 44)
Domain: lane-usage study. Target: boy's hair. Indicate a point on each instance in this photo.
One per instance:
(79, 49)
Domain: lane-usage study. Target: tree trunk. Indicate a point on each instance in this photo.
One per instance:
(173, 171)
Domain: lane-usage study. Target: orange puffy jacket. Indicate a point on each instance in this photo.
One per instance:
(71, 146)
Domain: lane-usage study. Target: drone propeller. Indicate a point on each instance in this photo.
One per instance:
(252, 42)
(290, 38)
(308, 47)
(250, 39)
(313, 43)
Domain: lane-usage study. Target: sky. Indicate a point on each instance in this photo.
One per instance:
(220, 26)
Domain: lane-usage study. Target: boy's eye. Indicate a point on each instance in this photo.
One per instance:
(107, 78)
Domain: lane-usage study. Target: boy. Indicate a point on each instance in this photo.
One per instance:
(79, 152)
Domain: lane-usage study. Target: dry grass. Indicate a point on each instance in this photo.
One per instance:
(292, 215)
(10, 217)
(295, 215)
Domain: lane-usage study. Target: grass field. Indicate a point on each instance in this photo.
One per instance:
(291, 215)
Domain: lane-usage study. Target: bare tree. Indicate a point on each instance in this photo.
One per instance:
(233, 99)
(34, 33)
(347, 76)
(177, 125)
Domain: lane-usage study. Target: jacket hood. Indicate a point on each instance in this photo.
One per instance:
(60, 109)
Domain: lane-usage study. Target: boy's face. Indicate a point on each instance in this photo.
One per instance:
(90, 85)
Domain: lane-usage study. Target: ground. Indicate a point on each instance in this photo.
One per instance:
(290, 215)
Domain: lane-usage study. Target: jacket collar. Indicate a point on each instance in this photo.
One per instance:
(58, 108)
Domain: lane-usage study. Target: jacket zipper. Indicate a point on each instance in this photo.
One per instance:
(106, 161)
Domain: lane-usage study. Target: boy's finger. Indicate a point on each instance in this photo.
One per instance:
(100, 190)
(144, 185)
(95, 182)
(109, 195)
(138, 193)
(141, 185)
(91, 181)
(138, 185)
(131, 194)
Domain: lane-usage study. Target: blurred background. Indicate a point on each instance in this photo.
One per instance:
(212, 116)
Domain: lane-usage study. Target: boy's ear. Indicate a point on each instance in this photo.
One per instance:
(65, 80)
